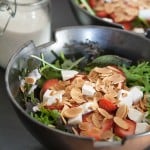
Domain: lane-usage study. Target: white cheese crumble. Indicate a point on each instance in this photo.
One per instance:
(35, 75)
(142, 127)
(88, 89)
(135, 115)
(134, 95)
(144, 14)
(86, 108)
(75, 120)
(68, 74)
(50, 98)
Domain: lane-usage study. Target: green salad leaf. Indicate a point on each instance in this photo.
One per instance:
(46, 116)
(138, 75)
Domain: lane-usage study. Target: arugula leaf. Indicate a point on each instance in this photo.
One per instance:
(87, 6)
(138, 75)
(139, 22)
(46, 116)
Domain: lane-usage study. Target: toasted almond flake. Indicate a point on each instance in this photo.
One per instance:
(61, 114)
(122, 111)
(84, 125)
(89, 118)
(67, 103)
(104, 113)
(142, 104)
(111, 97)
(97, 120)
(78, 82)
(99, 8)
(92, 130)
(116, 78)
(76, 95)
(66, 107)
(107, 135)
(114, 69)
(109, 8)
(97, 96)
(121, 123)
(29, 80)
(72, 112)
(93, 76)
(103, 70)
(84, 133)
(119, 18)
(75, 131)
(63, 119)
(98, 85)
(132, 11)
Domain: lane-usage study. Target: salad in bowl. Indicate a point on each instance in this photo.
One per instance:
(88, 88)
(105, 98)
(133, 15)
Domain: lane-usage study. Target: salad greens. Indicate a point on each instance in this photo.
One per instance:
(138, 75)
(46, 116)
(86, 5)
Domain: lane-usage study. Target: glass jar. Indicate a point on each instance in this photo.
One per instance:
(22, 21)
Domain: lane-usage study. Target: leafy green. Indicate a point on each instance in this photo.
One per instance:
(110, 60)
(86, 5)
(138, 75)
(52, 70)
(139, 22)
(116, 138)
(46, 116)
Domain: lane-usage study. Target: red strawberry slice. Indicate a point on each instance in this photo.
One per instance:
(122, 132)
(107, 125)
(107, 105)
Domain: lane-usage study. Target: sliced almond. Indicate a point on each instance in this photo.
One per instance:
(131, 11)
(103, 70)
(76, 95)
(93, 76)
(122, 111)
(78, 82)
(121, 123)
(75, 131)
(84, 125)
(29, 80)
(107, 135)
(109, 8)
(97, 120)
(104, 113)
(72, 112)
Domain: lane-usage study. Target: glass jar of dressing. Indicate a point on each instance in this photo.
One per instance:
(22, 21)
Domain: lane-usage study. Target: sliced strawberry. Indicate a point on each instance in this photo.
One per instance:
(92, 3)
(47, 85)
(54, 106)
(127, 25)
(101, 14)
(107, 125)
(86, 116)
(122, 132)
(94, 133)
(107, 105)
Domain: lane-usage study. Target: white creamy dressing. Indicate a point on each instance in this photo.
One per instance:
(28, 24)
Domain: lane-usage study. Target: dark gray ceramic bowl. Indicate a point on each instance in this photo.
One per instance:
(113, 41)
(85, 18)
